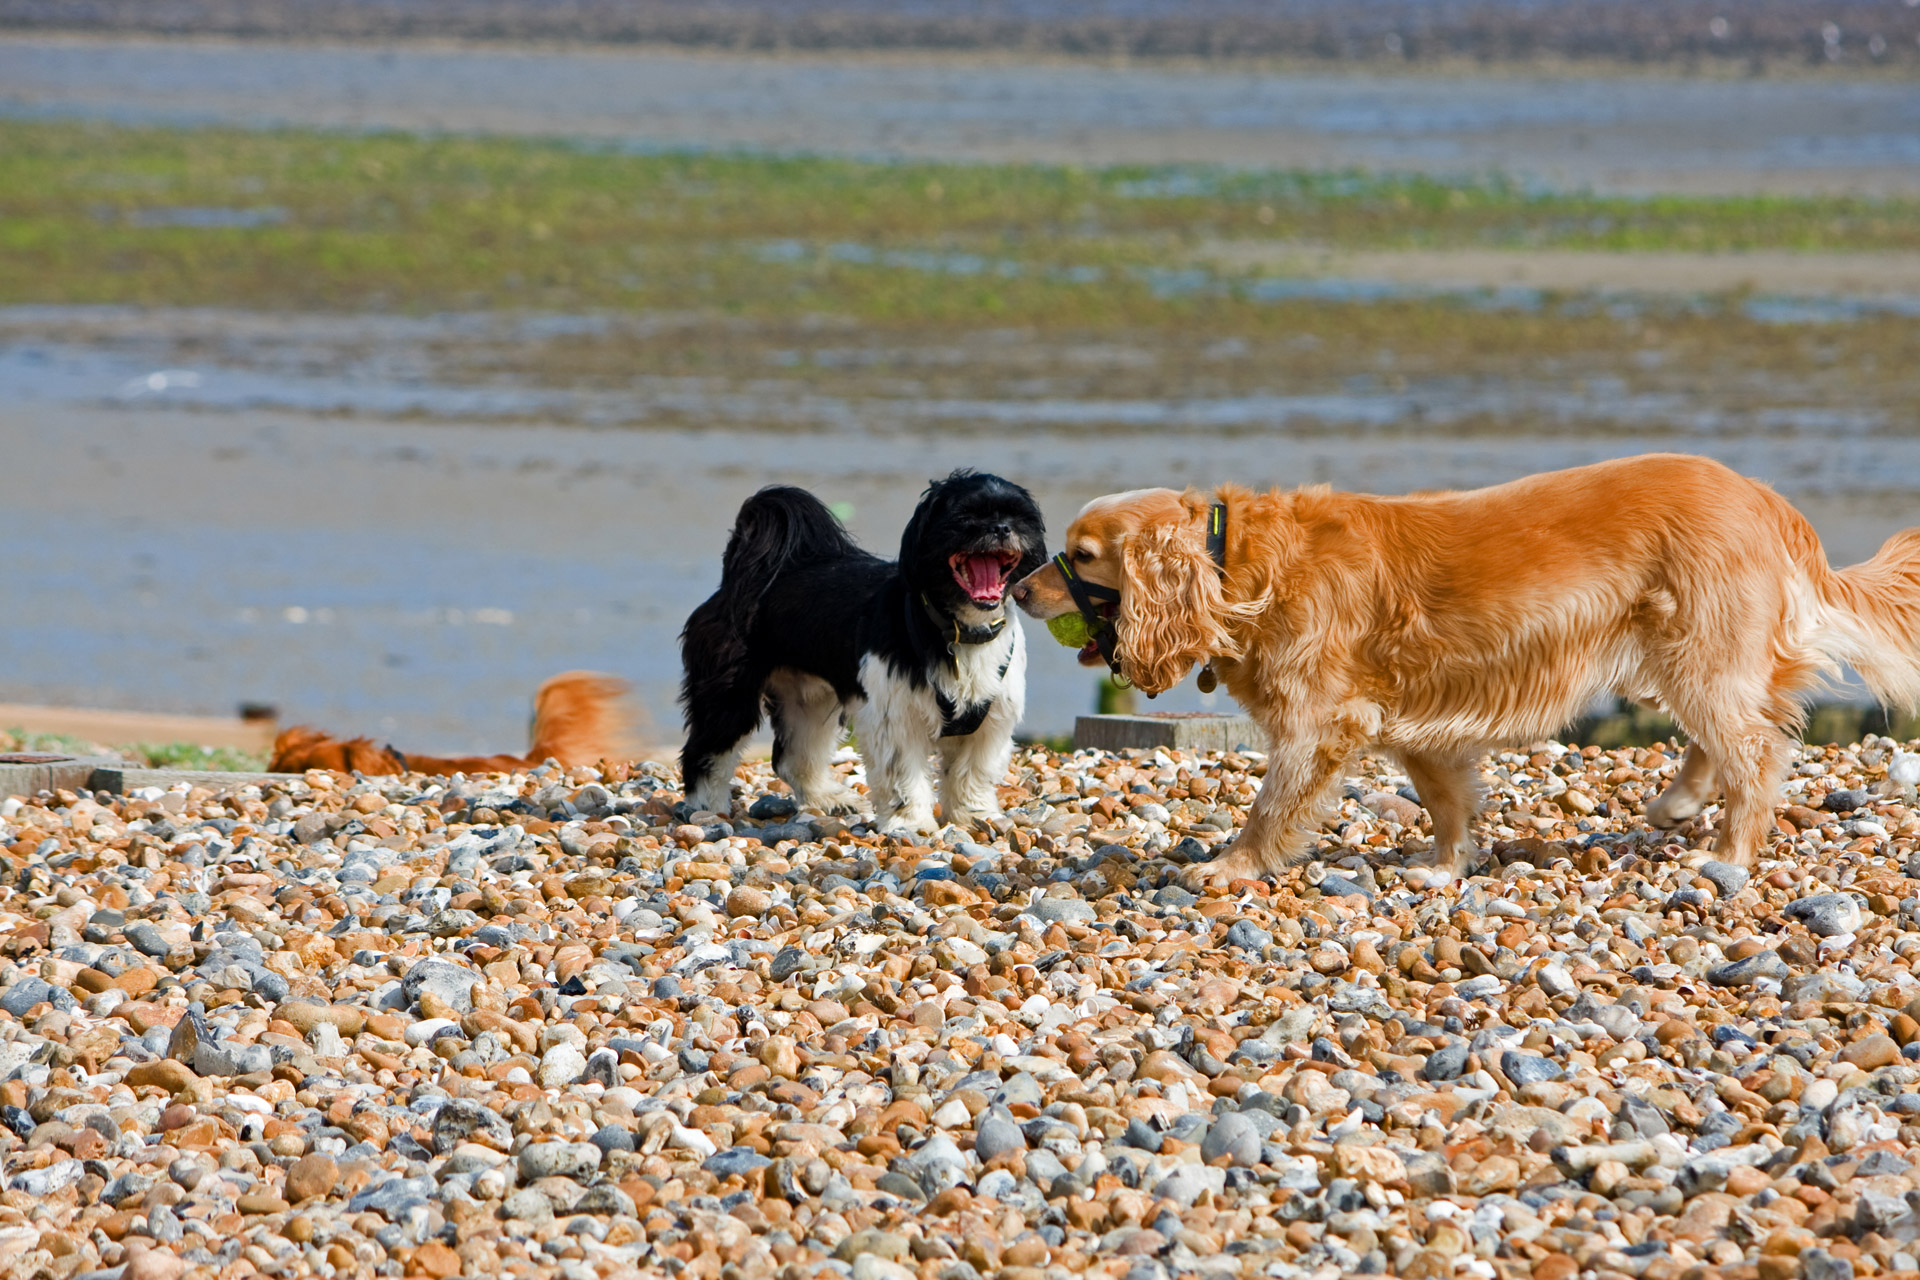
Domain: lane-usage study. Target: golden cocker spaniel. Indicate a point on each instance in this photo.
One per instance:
(1438, 625)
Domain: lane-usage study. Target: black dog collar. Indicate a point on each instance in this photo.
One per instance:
(1087, 598)
(962, 633)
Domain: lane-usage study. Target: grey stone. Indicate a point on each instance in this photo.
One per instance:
(128, 1186)
(528, 1205)
(450, 982)
(1818, 1264)
(1061, 911)
(1845, 801)
(607, 1201)
(575, 1160)
(1641, 1118)
(1445, 1063)
(1876, 1211)
(1174, 896)
(1727, 878)
(1825, 985)
(773, 808)
(1528, 1068)
(1826, 915)
(393, 1198)
(1248, 936)
(146, 939)
(787, 963)
(611, 1138)
(561, 1066)
(1142, 1136)
(224, 1058)
(184, 1040)
(1020, 1087)
(1744, 973)
(461, 1120)
(741, 1160)
(1185, 1184)
(55, 1177)
(1232, 1136)
(28, 992)
(995, 1134)
(1342, 887)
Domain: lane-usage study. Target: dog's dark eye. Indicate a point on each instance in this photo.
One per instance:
(1082, 556)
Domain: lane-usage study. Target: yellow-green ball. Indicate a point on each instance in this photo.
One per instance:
(1070, 629)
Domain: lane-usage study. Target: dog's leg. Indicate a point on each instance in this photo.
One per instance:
(973, 766)
(806, 727)
(1301, 769)
(896, 737)
(1451, 794)
(1749, 766)
(717, 731)
(1688, 793)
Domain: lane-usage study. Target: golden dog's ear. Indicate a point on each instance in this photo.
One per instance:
(1172, 611)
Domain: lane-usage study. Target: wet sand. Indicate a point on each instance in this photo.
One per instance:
(1609, 132)
(415, 570)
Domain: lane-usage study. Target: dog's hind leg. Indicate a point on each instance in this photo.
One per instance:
(718, 726)
(1451, 794)
(1689, 792)
(806, 728)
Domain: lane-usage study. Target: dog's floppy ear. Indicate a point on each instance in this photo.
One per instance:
(922, 513)
(1172, 611)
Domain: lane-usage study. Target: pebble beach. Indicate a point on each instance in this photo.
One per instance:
(555, 1023)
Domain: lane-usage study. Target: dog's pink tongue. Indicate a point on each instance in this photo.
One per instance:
(982, 576)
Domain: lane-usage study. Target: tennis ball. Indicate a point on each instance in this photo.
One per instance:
(1070, 629)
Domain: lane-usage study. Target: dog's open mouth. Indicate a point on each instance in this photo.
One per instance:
(983, 575)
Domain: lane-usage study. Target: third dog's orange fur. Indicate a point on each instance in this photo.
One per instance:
(579, 717)
(1440, 625)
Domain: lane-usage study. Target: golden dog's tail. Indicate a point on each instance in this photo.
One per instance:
(1873, 621)
(581, 717)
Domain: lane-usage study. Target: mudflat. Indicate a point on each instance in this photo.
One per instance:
(1605, 130)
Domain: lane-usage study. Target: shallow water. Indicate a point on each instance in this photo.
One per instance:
(206, 507)
(1607, 132)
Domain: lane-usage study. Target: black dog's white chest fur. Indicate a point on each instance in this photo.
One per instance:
(918, 656)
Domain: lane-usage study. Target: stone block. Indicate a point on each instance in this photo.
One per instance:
(1187, 731)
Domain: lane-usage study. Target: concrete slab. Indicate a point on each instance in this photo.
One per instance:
(23, 773)
(1187, 731)
(121, 778)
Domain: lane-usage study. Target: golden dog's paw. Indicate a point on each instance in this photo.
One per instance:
(1435, 867)
(1234, 864)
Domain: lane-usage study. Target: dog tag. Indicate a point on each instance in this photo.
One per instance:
(1207, 681)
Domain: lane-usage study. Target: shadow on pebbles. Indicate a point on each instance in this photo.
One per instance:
(554, 1023)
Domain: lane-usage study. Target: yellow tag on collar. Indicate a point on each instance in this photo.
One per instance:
(1070, 629)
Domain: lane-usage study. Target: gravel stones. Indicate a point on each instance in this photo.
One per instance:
(551, 1023)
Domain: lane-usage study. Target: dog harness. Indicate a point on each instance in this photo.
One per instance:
(957, 721)
(1089, 596)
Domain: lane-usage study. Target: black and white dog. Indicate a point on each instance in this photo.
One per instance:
(917, 654)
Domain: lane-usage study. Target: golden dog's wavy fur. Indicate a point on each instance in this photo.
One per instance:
(1439, 625)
